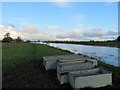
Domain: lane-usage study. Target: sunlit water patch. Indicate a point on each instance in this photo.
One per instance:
(109, 55)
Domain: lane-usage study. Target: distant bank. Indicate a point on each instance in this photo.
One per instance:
(94, 43)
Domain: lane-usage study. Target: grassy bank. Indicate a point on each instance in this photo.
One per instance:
(17, 53)
(23, 68)
(115, 73)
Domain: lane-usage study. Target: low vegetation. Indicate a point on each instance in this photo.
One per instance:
(8, 38)
(17, 53)
(23, 68)
(94, 43)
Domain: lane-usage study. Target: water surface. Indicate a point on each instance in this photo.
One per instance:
(109, 55)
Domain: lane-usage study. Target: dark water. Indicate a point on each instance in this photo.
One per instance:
(109, 55)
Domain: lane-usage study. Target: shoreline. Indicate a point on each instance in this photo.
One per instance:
(32, 74)
(104, 44)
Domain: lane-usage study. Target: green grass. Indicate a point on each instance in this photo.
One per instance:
(17, 53)
(112, 68)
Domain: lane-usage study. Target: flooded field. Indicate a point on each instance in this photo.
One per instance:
(109, 55)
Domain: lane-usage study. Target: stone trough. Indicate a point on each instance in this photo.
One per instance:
(64, 67)
(78, 70)
(97, 77)
(50, 62)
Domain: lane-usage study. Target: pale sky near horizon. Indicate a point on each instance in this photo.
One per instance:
(60, 21)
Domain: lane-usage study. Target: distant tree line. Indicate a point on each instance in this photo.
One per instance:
(7, 38)
(84, 42)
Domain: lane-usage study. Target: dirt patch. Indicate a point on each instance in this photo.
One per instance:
(33, 75)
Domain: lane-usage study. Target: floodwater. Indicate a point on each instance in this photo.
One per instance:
(110, 55)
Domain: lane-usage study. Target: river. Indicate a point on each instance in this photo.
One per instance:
(110, 55)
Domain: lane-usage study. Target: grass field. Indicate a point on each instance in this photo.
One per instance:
(17, 53)
(23, 68)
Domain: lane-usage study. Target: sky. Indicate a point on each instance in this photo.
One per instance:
(77, 21)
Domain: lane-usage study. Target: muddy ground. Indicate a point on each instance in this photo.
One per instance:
(33, 75)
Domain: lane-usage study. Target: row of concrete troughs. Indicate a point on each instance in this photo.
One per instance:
(78, 70)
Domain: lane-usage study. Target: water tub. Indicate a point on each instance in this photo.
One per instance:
(50, 62)
(64, 67)
(97, 77)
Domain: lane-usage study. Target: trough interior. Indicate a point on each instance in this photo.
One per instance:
(74, 67)
(72, 62)
(89, 72)
(73, 56)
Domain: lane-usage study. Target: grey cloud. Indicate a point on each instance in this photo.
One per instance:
(91, 34)
(112, 33)
(72, 35)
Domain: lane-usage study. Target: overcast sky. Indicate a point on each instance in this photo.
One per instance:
(60, 21)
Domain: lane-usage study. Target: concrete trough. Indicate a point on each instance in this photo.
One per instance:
(95, 78)
(64, 67)
(94, 61)
(50, 62)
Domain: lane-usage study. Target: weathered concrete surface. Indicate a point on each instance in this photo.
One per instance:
(62, 77)
(97, 77)
(64, 67)
(50, 62)
(74, 66)
(94, 61)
